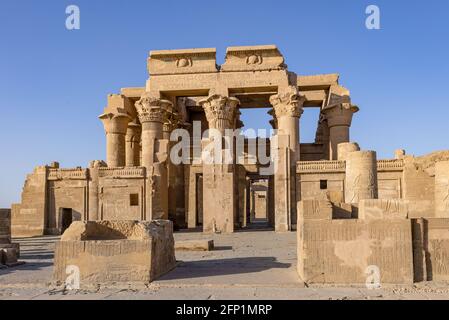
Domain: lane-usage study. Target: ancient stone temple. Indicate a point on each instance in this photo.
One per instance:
(186, 89)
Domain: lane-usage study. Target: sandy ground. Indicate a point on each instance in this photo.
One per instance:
(244, 265)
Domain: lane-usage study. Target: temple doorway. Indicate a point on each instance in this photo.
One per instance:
(66, 218)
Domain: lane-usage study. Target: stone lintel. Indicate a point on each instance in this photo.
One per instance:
(253, 58)
(317, 81)
(182, 61)
(133, 92)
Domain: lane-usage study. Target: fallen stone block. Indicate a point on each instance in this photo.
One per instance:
(103, 252)
(195, 245)
(8, 256)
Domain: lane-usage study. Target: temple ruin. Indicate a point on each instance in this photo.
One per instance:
(340, 198)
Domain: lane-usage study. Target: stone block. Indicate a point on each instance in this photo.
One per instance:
(252, 58)
(116, 251)
(195, 245)
(8, 256)
(315, 209)
(182, 61)
(344, 251)
(383, 209)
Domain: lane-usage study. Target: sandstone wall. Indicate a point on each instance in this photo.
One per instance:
(343, 251)
(431, 248)
(5, 226)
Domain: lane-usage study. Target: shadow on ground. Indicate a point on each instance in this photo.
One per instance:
(219, 267)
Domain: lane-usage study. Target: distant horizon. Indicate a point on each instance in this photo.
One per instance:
(56, 80)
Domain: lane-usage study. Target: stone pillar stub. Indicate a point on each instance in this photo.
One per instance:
(361, 176)
(442, 189)
(345, 148)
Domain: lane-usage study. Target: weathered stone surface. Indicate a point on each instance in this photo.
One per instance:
(361, 176)
(5, 226)
(431, 249)
(116, 251)
(314, 209)
(195, 245)
(383, 209)
(342, 251)
(8, 256)
(442, 189)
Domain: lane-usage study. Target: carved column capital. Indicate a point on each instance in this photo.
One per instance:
(287, 102)
(171, 121)
(339, 114)
(151, 109)
(220, 111)
(115, 122)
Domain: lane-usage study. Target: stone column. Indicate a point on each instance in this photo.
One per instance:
(343, 149)
(361, 176)
(174, 172)
(133, 144)
(154, 155)
(115, 126)
(93, 211)
(287, 106)
(339, 118)
(442, 189)
(219, 184)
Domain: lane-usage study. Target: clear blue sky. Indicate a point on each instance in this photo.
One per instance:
(54, 82)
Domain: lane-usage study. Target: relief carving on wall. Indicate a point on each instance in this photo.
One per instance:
(184, 62)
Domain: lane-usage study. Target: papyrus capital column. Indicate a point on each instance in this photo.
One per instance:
(151, 112)
(133, 144)
(220, 111)
(339, 118)
(115, 126)
(287, 107)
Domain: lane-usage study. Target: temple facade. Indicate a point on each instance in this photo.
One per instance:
(186, 89)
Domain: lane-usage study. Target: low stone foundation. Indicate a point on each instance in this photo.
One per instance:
(115, 251)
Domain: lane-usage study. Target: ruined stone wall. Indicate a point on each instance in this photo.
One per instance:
(5, 226)
(325, 180)
(321, 180)
(345, 251)
(121, 194)
(431, 249)
(28, 217)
